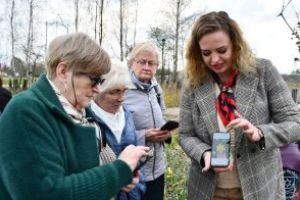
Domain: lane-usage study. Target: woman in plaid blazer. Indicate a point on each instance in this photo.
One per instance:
(227, 87)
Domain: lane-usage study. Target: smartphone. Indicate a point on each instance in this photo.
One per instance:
(170, 125)
(144, 160)
(220, 149)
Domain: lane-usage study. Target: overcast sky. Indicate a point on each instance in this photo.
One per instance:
(266, 33)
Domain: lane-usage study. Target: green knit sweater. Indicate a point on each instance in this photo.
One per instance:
(44, 155)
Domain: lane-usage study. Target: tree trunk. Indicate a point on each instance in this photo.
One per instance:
(175, 55)
(96, 20)
(76, 2)
(46, 39)
(101, 22)
(12, 14)
(30, 33)
(135, 21)
(121, 30)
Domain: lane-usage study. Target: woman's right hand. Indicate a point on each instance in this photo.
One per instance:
(157, 135)
(207, 159)
(132, 154)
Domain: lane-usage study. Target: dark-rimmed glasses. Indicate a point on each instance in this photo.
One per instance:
(95, 80)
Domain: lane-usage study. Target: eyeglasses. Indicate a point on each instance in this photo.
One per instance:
(143, 62)
(95, 80)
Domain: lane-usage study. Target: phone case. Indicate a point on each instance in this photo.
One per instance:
(170, 125)
(144, 160)
(220, 150)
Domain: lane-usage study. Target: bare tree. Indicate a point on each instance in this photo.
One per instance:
(174, 29)
(121, 30)
(294, 30)
(12, 30)
(177, 20)
(135, 21)
(76, 5)
(99, 6)
(29, 33)
(62, 23)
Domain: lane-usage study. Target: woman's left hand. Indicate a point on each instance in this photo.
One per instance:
(134, 182)
(253, 133)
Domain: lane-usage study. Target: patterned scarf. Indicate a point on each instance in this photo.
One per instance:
(106, 154)
(225, 102)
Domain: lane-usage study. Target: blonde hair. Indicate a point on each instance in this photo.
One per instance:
(79, 52)
(117, 77)
(142, 47)
(195, 68)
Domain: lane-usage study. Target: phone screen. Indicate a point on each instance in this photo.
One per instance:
(220, 149)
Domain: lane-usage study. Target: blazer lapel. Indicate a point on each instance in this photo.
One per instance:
(245, 90)
(205, 98)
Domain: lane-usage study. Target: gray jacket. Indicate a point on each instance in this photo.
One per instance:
(148, 113)
(261, 98)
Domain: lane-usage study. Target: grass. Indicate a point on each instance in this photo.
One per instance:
(177, 171)
(177, 162)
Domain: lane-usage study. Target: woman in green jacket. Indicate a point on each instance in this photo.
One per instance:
(49, 144)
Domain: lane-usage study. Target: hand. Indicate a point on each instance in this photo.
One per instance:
(156, 135)
(224, 169)
(252, 133)
(134, 182)
(206, 157)
(132, 154)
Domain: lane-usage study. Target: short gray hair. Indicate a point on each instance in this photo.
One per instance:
(139, 48)
(117, 77)
(81, 54)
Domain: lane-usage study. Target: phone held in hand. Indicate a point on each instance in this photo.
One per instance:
(144, 160)
(170, 125)
(220, 149)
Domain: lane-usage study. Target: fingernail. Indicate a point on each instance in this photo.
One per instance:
(202, 170)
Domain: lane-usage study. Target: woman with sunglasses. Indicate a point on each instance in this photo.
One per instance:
(48, 142)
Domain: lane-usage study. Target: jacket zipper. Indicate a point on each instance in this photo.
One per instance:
(154, 124)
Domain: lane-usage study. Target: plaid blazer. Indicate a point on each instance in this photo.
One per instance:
(264, 99)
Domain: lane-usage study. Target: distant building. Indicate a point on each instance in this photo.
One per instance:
(293, 82)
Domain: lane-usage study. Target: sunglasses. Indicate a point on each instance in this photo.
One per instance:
(95, 80)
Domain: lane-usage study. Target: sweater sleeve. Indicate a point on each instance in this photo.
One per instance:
(35, 164)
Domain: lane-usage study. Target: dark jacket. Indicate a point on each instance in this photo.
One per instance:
(44, 155)
(5, 96)
(128, 137)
